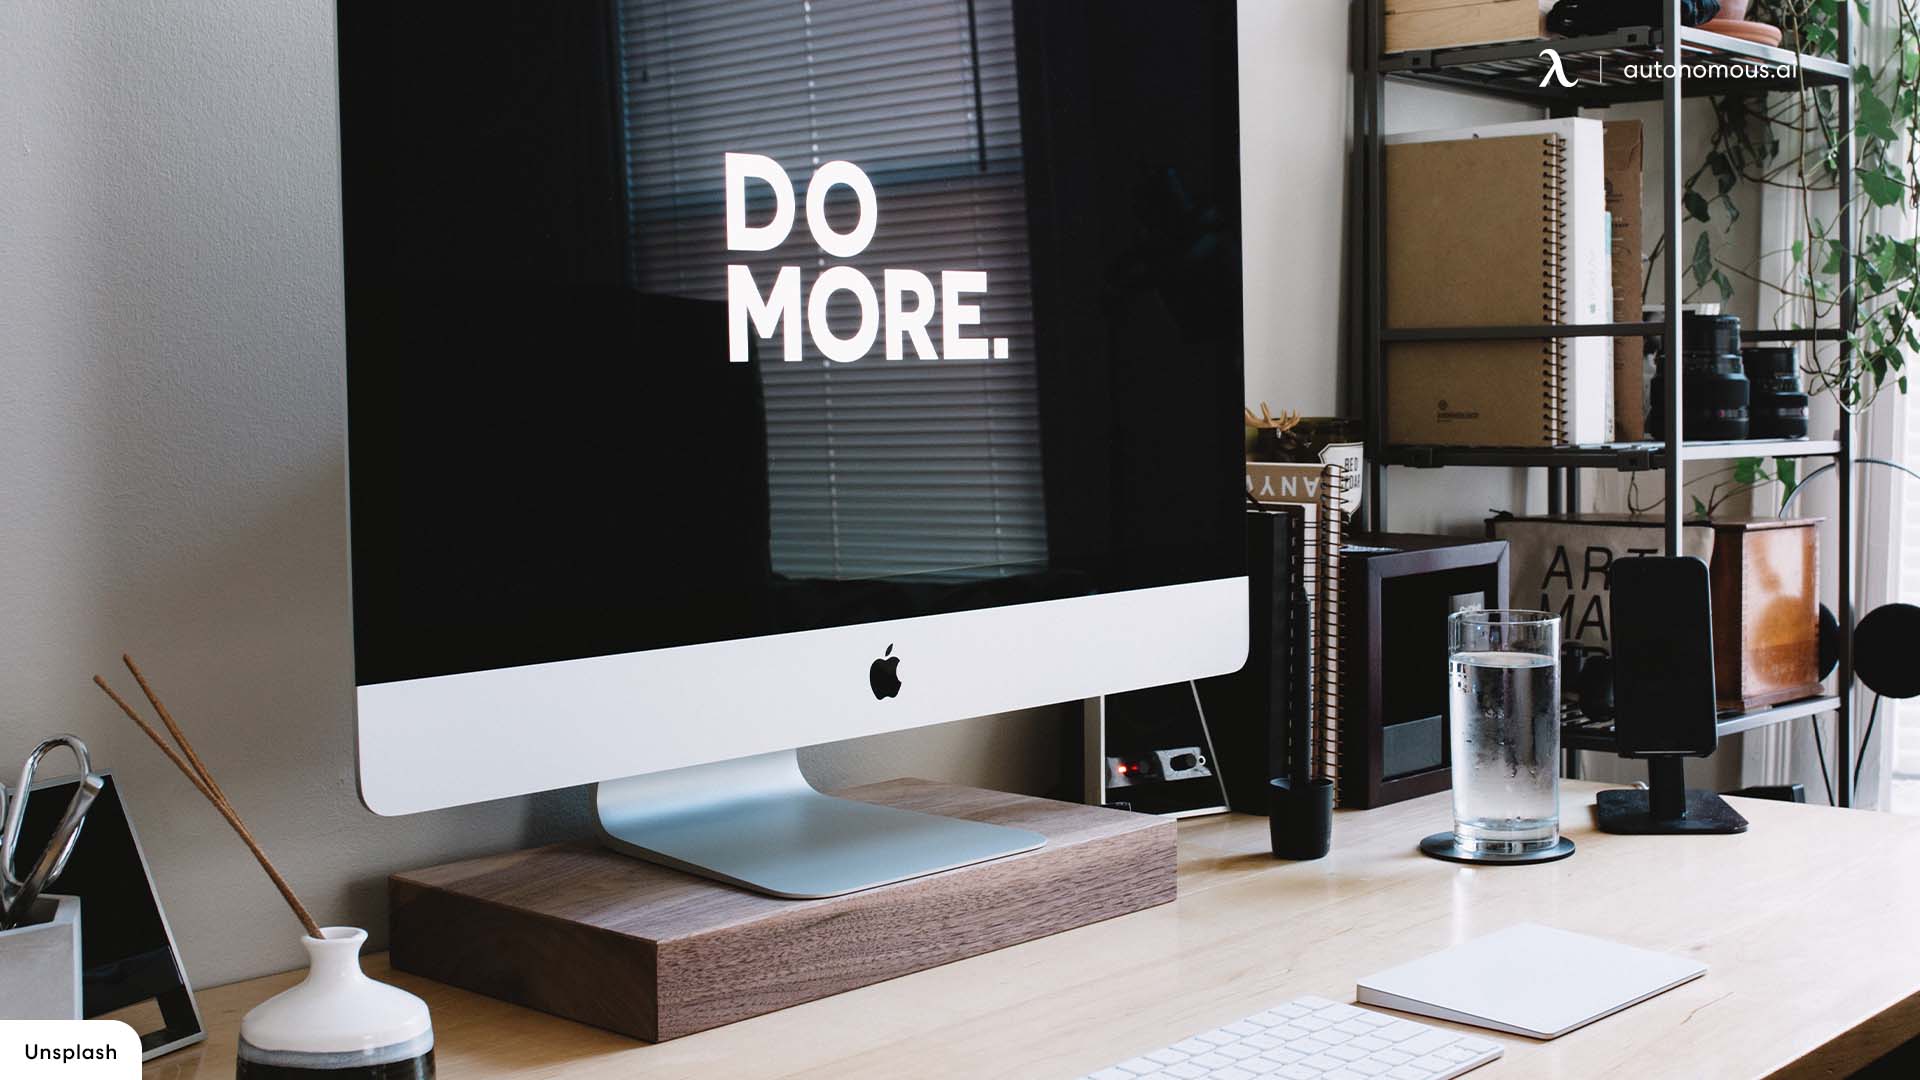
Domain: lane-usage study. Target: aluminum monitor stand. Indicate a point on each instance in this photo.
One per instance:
(756, 822)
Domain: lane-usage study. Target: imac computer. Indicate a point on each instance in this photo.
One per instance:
(732, 376)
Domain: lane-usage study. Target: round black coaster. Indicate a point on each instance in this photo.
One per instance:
(1441, 845)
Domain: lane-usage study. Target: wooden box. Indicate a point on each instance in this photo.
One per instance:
(1766, 611)
(582, 932)
(1437, 24)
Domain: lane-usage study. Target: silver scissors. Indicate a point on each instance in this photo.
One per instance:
(19, 893)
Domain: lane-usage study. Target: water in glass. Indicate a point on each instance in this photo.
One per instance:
(1506, 742)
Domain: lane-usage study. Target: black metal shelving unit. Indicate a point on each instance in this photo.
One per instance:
(1517, 72)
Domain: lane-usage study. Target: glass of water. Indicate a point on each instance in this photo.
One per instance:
(1503, 706)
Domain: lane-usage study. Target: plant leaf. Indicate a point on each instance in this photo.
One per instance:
(1703, 260)
(1836, 258)
(1875, 118)
(1882, 188)
(1724, 172)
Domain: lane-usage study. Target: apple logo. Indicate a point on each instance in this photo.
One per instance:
(884, 675)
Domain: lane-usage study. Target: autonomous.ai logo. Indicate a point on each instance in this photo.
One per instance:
(1655, 71)
(1556, 70)
(908, 303)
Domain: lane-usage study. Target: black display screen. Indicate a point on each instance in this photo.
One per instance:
(677, 321)
(127, 957)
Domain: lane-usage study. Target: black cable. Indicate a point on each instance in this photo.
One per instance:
(1861, 756)
(1820, 747)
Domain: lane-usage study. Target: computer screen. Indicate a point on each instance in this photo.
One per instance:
(682, 321)
(731, 376)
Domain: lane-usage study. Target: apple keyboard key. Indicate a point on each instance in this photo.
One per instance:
(1311, 1038)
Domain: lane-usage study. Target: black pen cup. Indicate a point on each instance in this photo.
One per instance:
(1301, 819)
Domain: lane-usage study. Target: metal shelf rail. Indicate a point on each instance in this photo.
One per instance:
(1597, 64)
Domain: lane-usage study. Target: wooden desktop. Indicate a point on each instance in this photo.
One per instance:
(1809, 924)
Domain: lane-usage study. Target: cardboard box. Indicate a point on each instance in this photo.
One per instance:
(1626, 158)
(1397, 7)
(1466, 24)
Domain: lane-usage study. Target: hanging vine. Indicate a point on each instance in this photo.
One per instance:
(1790, 141)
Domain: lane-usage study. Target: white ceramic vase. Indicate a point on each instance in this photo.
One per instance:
(338, 1023)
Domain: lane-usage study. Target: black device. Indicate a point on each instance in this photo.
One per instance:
(1399, 589)
(1794, 793)
(1716, 394)
(127, 951)
(1883, 655)
(1829, 641)
(1779, 408)
(1884, 647)
(1663, 696)
(1156, 755)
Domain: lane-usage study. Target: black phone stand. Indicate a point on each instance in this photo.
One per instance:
(1667, 807)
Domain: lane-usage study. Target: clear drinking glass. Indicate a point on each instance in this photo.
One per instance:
(1503, 706)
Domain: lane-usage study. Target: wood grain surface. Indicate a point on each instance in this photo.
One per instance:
(1766, 612)
(596, 936)
(1807, 923)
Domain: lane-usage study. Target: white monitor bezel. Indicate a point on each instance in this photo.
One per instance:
(451, 740)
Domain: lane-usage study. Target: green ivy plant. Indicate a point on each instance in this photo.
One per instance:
(1749, 473)
(1790, 140)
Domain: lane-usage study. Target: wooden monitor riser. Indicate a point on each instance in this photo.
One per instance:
(592, 935)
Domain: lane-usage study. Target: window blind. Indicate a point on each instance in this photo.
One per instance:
(877, 467)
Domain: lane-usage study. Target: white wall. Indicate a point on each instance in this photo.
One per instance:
(171, 465)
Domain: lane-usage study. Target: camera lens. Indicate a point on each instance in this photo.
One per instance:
(1778, 406)
(1714, 388)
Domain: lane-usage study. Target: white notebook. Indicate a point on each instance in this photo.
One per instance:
(1589, 297)
(1528, 980)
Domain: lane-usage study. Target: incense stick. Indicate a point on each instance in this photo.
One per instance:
(202, 780)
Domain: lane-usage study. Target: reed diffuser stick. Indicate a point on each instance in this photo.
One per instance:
(202, 780)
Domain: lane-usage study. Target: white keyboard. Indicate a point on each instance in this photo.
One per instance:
(1312, 1038)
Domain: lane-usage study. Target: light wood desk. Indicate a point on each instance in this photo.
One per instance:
(1809, 925)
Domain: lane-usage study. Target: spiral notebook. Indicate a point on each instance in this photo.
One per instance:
(1499, 226)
